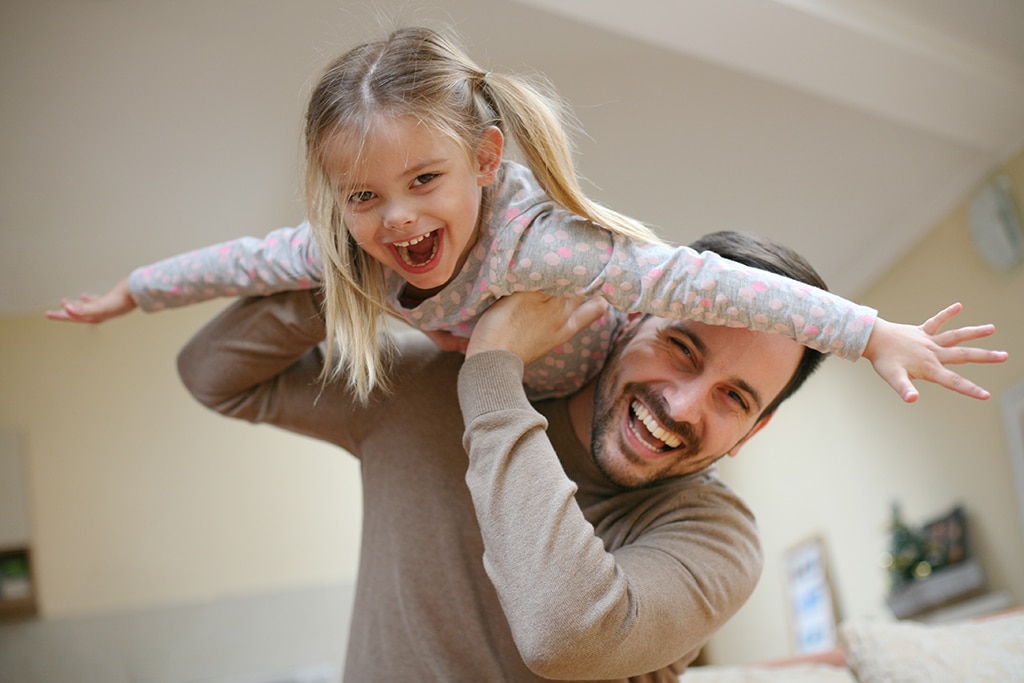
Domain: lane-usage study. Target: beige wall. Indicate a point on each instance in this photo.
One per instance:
(140, 497)
(845, 447)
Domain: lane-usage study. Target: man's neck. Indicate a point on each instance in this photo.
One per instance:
(581, 413)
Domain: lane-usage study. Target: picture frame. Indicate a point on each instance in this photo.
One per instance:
(1013, 422)
(810, 597)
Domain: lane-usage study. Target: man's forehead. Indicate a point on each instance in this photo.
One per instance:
(688, 327)
(716, 336)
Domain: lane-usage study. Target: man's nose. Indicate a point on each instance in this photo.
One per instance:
(685, 402)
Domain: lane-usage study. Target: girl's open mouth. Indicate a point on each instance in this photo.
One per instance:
(418, 252)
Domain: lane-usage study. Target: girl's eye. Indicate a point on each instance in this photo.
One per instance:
(360, 197)
(424, 179)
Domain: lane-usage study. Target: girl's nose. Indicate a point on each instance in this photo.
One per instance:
(397, 215)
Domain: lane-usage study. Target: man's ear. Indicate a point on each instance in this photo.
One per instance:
(627, 329)
(734, 451)
(488, 155)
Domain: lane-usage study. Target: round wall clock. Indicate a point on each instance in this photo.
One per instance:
(995, 224)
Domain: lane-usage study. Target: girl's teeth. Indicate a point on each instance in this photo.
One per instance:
(417, 259)
(415, 240)
(656, 430)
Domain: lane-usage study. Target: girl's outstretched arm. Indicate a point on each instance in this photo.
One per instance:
(901, 353)
(285, 259)
(90, 308)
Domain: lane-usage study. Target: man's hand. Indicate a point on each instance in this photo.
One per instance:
(529, 324)
(95, 309)
(446, 341)
(902, 353)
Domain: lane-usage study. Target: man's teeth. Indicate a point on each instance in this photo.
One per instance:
(656, 430)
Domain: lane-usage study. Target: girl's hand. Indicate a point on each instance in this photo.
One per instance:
(529, 324)
(96, 309)
(902, 353)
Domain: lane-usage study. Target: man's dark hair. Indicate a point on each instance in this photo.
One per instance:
(758, 251)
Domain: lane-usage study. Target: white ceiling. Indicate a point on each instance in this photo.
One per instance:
(134, 129)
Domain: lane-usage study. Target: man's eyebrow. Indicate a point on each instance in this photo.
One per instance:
(702, 348)
(694, 338)
(754, 395)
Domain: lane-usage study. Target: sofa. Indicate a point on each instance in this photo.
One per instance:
(989, 650)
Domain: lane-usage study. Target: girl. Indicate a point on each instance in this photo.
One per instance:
(415, 213)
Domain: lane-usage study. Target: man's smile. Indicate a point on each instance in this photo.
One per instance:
(649, 431)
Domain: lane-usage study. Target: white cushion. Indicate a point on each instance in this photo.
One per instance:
(798, 673)
(990, 651)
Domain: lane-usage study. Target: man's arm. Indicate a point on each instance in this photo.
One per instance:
(577, 608)
(259, 360)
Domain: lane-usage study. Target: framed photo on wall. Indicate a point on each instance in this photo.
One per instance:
(1013, 421)
(810, 597)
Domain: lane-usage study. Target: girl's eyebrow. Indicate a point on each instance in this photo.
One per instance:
(416, 168)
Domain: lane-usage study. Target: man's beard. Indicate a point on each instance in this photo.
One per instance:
(632, 471)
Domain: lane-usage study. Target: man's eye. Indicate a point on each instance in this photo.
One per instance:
(737, 398)
(681, 345)
(424, 179)
(360, 197)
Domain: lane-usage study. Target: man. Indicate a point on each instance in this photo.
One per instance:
(586, 538)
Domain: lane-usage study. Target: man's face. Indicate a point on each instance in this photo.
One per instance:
(677, 395)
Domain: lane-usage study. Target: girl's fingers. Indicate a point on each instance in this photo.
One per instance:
(954, 382)
(935, 323)
(964, 334)
(960, 355)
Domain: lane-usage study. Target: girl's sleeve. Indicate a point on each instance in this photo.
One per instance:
(562, 254)
(286, 259)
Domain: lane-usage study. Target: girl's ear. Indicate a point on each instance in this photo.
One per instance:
(488, 155)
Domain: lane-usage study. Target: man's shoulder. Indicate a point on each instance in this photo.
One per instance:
(414, 351)
(705, 485)
(701, 495)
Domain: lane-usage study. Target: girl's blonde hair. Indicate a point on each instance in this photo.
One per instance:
(423, 75)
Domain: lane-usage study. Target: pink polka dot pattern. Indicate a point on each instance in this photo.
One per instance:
(527, 243)
(287, 259)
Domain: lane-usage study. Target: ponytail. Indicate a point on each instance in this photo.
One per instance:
(536, 122)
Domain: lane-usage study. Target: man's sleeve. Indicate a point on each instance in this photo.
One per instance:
(576, 609)
(259, 360)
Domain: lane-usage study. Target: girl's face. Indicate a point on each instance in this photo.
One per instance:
(414, 203)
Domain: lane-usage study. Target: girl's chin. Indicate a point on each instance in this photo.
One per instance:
(428, 284)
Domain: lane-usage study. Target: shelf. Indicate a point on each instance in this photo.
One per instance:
(971, 608)
(943, 587)
(17, 584)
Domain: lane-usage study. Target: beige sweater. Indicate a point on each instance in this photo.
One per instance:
(517, 563)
